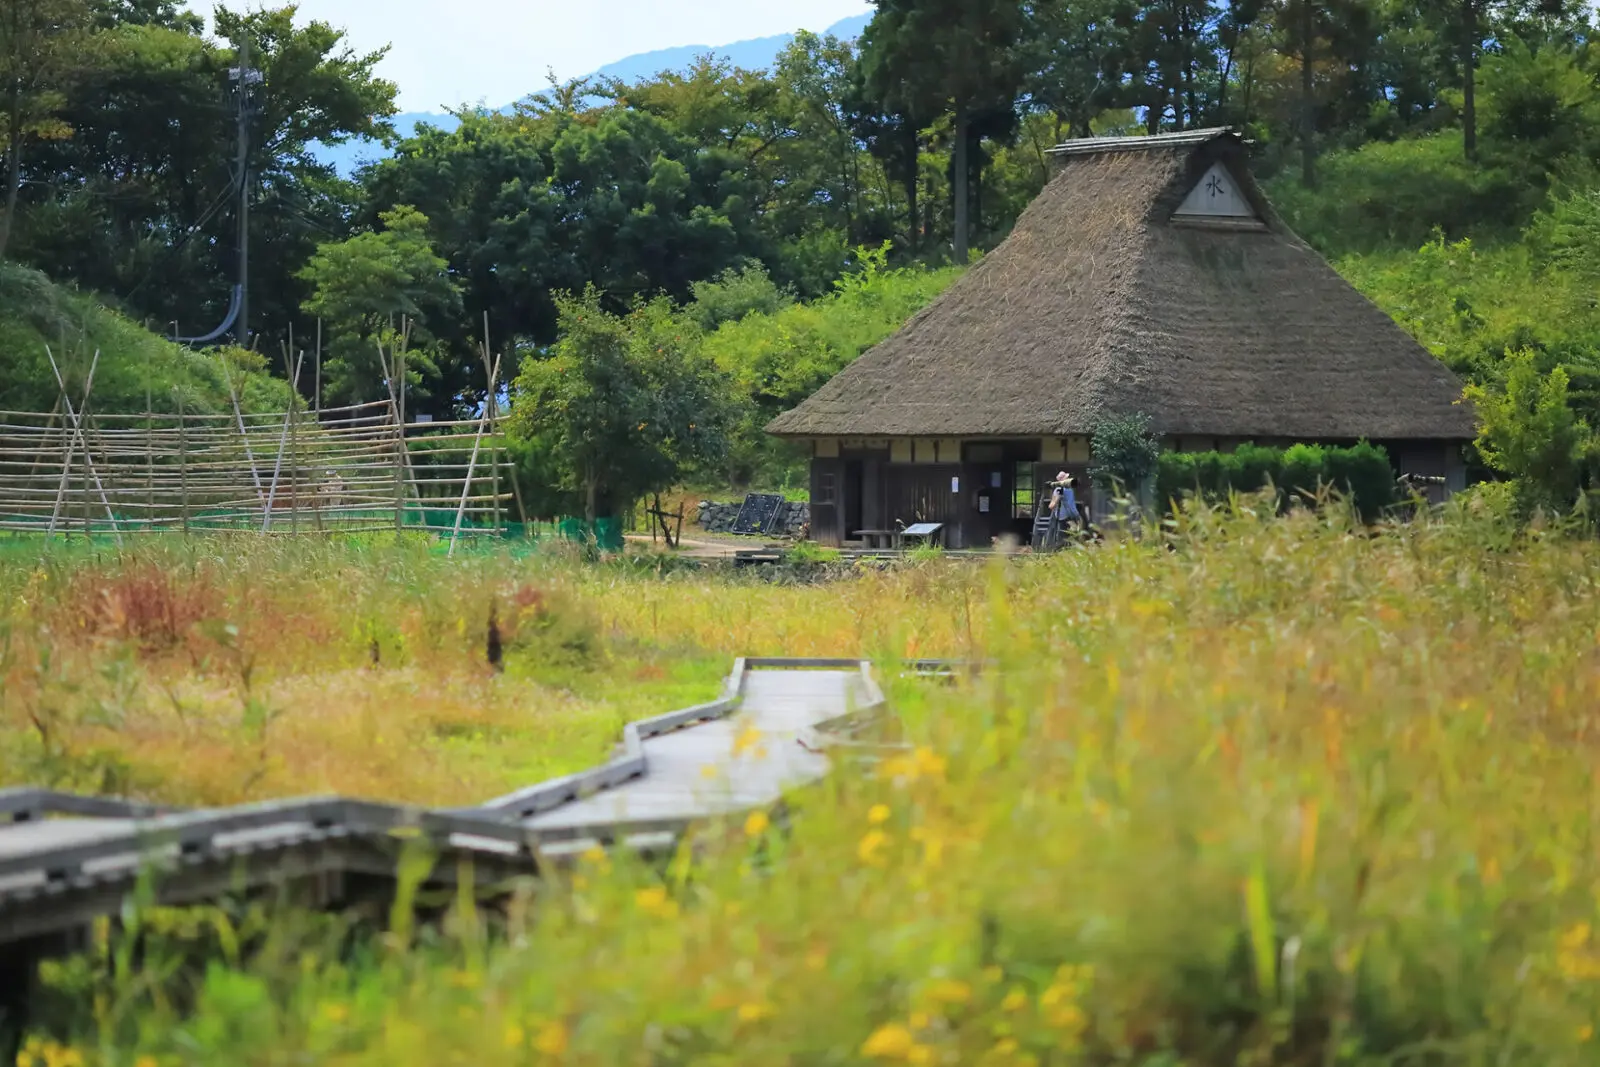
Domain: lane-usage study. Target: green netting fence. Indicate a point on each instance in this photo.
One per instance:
(606, 533)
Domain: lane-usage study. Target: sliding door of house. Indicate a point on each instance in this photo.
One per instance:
(827, 519)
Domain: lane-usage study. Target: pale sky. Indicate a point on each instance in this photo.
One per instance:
(450, 52)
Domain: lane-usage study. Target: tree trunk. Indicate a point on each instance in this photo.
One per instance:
(1469, 77)
(913, 180)
(962, 176)
(1308, 110)
(590, 488)
(1191, 101)
(1227, 76)
(1249, 86)
(13, 172)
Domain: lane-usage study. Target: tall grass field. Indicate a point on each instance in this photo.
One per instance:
(1263, 791)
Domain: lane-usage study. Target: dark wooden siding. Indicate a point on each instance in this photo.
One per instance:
(921, 493)
(826, 515)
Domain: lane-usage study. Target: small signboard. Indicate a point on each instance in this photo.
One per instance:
(759, 515)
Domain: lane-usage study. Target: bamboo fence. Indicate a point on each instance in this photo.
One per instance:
(352, 468)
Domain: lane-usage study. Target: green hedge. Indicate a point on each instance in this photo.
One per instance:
(1361, 473)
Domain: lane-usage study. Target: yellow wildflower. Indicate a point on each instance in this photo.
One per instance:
(919, 1020)
(464, 979)
(551, 1039)
(889, 1042)
(1586, 1032)
(755, 1011)
(654, 901)
(1068, 1017)
(596, 856)
(949, 991)
(816, 959)
(1015, 1000)
(145, 1061)
(898, 767)
(921, 1055)
(515, 1036)
(930, 764)
(878, 814)
(871, 845)
(993, 974)
(756, 824)
(746, 739)
(335, 1013)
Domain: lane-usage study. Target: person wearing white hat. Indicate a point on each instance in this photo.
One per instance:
(1064, 499)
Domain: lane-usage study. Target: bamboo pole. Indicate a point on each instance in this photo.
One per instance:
(149, 446)
(183, 462)
(71, 435)
(78, 417)
(316, 417)
(466, 486)
(403, 452)
(277, 469)
(493, 402)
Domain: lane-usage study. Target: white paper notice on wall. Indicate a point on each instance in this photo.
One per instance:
(995, 478)
(983, 504)
(955, 485)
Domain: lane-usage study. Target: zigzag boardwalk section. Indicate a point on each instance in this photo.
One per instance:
(726, 764)
(67, 860)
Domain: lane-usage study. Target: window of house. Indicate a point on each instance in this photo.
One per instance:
(826, 488)
(1023, 491)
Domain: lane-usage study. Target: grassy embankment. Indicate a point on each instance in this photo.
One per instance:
(135, 367)
(1287, 795)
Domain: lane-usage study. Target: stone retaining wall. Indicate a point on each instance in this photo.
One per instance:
(719, 518)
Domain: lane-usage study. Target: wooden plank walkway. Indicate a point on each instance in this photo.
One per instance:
(732, 764)
(65, 860)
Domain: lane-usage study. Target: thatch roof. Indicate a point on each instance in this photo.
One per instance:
(1099, 302)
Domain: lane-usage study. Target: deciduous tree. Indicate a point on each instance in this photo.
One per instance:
(926, 57)
(364, 287)
(40, 43)
(623, 405)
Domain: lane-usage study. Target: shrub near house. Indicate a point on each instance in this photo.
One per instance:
(1362, 474)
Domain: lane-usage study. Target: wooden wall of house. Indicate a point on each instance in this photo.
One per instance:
(979, 490)
(919, 493)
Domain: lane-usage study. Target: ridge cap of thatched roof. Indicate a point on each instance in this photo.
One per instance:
(1142, 142)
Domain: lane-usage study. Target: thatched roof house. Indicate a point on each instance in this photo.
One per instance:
(1150, 275)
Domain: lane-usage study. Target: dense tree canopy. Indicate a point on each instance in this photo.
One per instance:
(1409, 140)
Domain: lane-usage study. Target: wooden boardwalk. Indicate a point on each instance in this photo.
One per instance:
(733, 764)
(65, 860)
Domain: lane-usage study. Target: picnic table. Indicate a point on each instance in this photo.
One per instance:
(880, 538)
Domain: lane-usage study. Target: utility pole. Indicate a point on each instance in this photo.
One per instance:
(245, 80)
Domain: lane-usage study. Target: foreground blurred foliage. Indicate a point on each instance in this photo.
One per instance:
(1281, 791)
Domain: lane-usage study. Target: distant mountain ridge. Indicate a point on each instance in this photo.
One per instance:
(759, 53)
